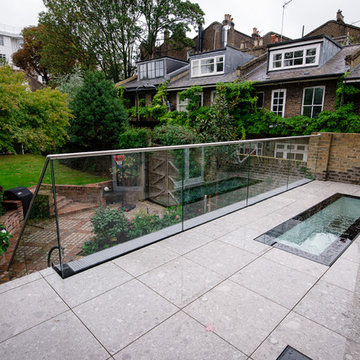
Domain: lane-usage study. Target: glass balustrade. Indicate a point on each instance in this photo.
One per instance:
(139, 196)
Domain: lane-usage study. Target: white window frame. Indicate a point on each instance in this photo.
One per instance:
(153, 68)
(312, 105)
(187, 181)
(1, 40)
(184, 103)
(273, 104)
(303, 48)
(291, 149)
(200, 64)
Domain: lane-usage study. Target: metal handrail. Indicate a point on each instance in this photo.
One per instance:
(164, 148)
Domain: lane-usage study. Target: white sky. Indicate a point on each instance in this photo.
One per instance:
(263, 14)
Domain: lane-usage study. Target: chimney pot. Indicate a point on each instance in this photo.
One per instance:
(339, 16)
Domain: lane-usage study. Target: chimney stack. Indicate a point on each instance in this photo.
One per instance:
(339, 16)
(274, 38)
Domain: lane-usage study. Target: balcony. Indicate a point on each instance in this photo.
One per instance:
(196, 288)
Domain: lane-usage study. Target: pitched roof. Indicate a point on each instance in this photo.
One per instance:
(334, 67)
(187, 81)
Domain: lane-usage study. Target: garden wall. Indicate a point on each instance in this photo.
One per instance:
(13, 218)
(91, 193)
(335, 157)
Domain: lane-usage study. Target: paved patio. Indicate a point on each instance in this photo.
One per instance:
(208, 293)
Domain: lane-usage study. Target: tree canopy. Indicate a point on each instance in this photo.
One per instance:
(107, 33)
(36, 120)
(99, 115)
(29, 56)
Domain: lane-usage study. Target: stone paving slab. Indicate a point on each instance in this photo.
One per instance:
(146, 259)
(62, 337)
(123, 314)
(238, 315)
(309, 338)
(221, 258)
(27, 306)
(88, 284)
(181, 280)
(333, 307)
(180, 338)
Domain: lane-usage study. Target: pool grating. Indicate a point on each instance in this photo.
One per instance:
(290, 353)
(321, 233)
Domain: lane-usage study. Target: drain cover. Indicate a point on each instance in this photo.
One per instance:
(290, 353)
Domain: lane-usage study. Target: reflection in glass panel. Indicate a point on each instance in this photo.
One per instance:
(318, 96)
(308, 96)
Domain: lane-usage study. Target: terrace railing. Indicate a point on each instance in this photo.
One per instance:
(148, 194)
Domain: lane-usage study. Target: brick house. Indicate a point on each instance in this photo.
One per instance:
(292, 77)
(299, 77)
(214, 37)
(338, 30)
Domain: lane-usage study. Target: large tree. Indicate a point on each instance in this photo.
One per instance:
(99, 115)
(106, 30)
(110, 31)
(29, 57)
(174, 16)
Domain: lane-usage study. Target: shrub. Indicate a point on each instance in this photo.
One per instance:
(173, 135)
(4, 239)
(144, 224)
(134, 138)
(110, 227)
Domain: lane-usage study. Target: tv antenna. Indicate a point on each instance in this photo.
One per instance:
(282, 18)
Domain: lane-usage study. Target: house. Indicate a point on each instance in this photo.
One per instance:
(215, 36)
(338, 30)
(292, 77)
(300, 76)
(10, 42)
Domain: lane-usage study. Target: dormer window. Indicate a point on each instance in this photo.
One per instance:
(300, 56)
(207, 66)
(151, 70)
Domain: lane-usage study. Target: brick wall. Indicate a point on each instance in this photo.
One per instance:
(335, 157)
(336, 29)
(294, 95)
(13, 219)
(91, 193)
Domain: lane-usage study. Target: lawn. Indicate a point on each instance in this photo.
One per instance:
(25, 170)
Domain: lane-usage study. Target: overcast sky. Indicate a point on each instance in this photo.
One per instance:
(263, 14)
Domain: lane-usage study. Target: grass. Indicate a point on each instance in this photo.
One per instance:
(25, 170)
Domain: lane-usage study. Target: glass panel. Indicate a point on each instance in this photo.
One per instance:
(310, 60)
(299, 53)
(223, 186)
(299, 173)
(219, 67)
(307, 111)
(311, 52)
(39, 234)
(159, 66)
(316, 111)
(142, 71)
(151, 70)
(308, 96)
(270, 170)
(318, 97)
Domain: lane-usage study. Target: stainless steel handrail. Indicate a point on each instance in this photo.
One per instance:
(164, 148)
